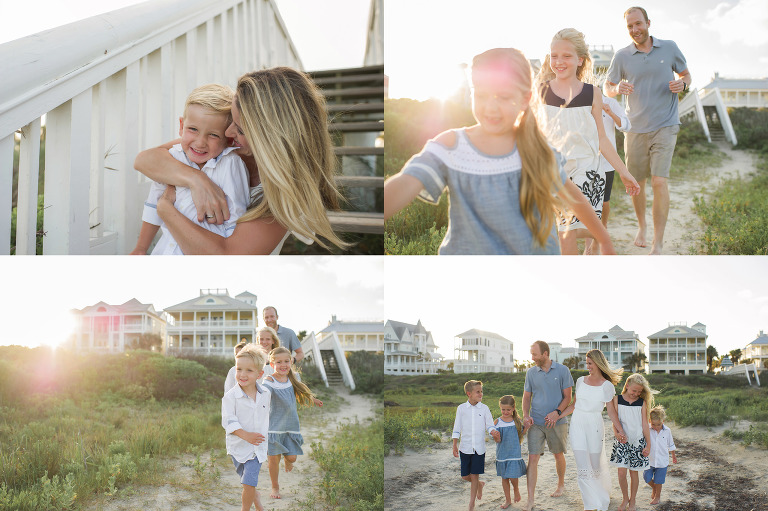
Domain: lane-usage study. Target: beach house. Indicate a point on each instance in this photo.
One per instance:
(679, 349)
(616, 344)
(757, 350)
(409, 349)
(479, 351)
(212, 323)
(353, 335)
(116, 328)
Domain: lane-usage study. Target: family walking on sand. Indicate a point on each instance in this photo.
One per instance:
(642, 443)
(533, 175)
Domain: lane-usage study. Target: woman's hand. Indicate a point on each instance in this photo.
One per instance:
(210, 200)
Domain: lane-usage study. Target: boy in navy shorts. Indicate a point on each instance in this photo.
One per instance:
(662, 445)
(473, 419)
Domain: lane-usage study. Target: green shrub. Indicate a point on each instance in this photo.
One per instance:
(50, 494)
(751, 127)
(367, 370)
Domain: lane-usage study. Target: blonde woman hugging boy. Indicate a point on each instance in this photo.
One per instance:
(204, 146)
(473, 419)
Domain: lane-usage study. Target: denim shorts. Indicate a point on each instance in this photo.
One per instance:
(248, 471)
(655, 475)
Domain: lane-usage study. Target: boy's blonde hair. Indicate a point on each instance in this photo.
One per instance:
(646, 394)
(509, 400)
(658, 413)
(304, 396)
(471, 384)
(214, 97)
(600, 361)
(239, 346)
(540, 176)
(285, 121)
(585, 72)
(256, 353)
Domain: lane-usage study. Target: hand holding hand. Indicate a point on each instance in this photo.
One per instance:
(527, 422)
(253, 438)
(551, 419)
(647, 450)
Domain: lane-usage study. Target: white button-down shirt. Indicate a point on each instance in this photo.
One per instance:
(238, 411)
(227, 171)
(471, 424)
(661, 444)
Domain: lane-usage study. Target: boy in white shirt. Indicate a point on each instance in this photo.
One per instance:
(662, 445)
(207, 114)
(245, 418)
(473, 419)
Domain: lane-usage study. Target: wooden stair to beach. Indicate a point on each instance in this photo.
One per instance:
(355, 100)
(331, 368)
(716, 131)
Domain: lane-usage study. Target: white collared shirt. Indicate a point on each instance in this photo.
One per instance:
(227, 171)
(238, 411)
(661, 444)
(471, 424)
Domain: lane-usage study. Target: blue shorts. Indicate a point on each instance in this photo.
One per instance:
(655, 475)
(248, 471)
(472, 463)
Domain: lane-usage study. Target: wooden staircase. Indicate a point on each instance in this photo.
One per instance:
(355, 99)
(331, 368)
(716, 131)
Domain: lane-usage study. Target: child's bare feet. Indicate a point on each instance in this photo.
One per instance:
(640, 238)
(506, 505)
(518, 498)
(655, 501)
(275, 493)
(480, 490)
(288, 465)
(632, 506)
(558, 491)
(529, 505)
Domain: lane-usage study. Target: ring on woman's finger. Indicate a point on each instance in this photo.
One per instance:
(209, 216)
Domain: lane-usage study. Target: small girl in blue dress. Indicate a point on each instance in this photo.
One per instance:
(505, 182)
(284, 435)
(509, 462)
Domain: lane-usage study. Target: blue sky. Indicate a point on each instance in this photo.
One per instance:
(427, 40)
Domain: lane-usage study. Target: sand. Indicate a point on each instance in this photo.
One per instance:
(684, 228)
(713, 473)
(181, 489)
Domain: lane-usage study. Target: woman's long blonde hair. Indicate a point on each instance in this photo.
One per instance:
(284, 118)
(646, 394)
(540, 178)
(304, 396)
(509, 400)
(600, 361)
(585, 72)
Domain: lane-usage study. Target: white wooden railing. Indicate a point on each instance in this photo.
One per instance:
(106, 88)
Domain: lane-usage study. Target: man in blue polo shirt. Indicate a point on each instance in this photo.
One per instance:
(548, 388)
(645, 72)
(287, 336)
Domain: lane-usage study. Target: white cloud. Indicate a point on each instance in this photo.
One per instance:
(744, 22)
(359, 271)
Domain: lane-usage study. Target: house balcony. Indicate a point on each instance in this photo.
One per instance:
(211, 325)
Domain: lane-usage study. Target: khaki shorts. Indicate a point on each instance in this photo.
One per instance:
(650, 154)
(557, 439)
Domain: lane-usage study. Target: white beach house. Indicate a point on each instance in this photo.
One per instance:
(115, 328)
(479, 351)
(757, 350)
(211, 324)
(409, 349)
(616, 344)
(353, 335)
(679, 349)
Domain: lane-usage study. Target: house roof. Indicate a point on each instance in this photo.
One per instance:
(616, 331)
(131, 306)
(699, 324)
(761, 339)
(372, 327)
(738, 83)
(400, 328)
(676, 331)
(246, 293)
(211, 302)
(482, 333)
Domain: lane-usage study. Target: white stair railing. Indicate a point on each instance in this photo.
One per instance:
(106, 88)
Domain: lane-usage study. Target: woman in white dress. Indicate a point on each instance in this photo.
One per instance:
(586, 432)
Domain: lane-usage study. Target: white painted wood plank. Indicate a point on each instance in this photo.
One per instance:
(29, 166)
(6, 192)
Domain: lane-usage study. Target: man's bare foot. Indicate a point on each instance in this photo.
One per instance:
(506, 505)
(632, 506)
(518, 498)
(480, 490)
(623, 505)
(288, 466)
(640, 238)
(558, 492)
(275, 493)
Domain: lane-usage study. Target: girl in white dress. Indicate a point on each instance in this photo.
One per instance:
(572, 119)
(634, 406)
(586, 433)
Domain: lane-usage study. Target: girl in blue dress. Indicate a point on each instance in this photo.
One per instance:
(509, 462)
(284, 435)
